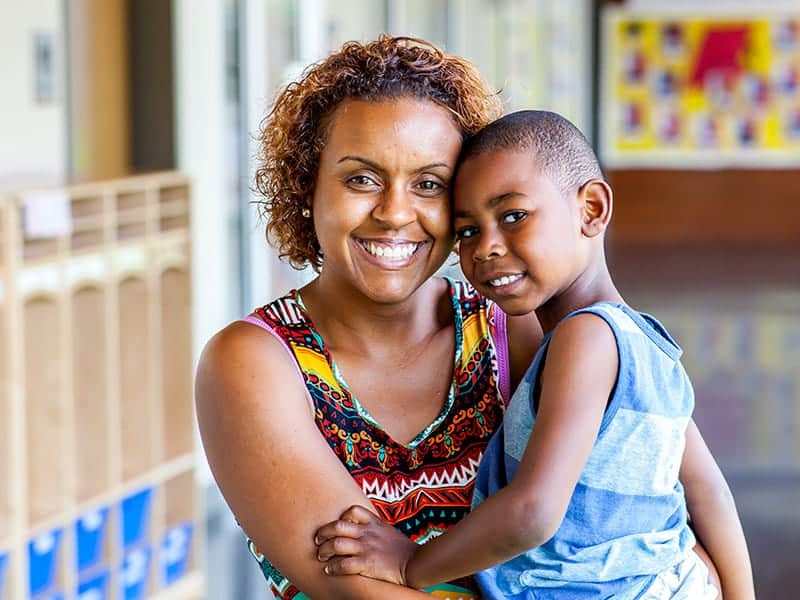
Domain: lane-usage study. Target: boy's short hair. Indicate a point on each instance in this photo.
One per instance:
(560, 149)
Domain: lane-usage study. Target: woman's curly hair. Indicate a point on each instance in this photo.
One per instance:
(293, 133)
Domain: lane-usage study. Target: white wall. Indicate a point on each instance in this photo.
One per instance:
(203, 155)
(32, 136)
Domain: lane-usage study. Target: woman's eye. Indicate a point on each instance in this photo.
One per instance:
(466, 232)
(429, 185)
(361, 180)
(513, 216)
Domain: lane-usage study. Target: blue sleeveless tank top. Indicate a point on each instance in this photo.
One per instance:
(626, 521)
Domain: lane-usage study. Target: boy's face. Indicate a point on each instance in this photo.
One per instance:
(520, 239)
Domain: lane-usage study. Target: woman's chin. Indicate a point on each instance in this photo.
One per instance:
(392, 289)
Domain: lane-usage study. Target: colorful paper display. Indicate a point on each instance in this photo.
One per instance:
(701, 91)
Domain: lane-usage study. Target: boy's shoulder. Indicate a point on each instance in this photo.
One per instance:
(585, 333)
(625, 323)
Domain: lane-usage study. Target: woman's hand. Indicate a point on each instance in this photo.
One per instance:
(359, 543)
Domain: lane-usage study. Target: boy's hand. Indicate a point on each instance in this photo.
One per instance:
(359, 543)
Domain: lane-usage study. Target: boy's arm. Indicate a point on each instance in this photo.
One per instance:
(577, 380)
(714, 518)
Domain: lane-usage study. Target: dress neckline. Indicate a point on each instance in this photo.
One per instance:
(362, 411)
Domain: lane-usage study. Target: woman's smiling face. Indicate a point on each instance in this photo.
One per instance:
(381, 203)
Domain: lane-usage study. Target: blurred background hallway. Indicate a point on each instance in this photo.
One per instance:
(128, 237)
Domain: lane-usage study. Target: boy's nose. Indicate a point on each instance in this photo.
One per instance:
(490, 246)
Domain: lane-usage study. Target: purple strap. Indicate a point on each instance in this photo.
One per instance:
(254, 320)
(501, 347)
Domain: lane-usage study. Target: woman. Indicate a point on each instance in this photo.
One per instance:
(377, 383)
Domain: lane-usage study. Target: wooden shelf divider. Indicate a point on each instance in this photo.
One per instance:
(97, 444)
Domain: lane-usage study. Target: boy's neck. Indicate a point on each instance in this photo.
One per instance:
(592, 286)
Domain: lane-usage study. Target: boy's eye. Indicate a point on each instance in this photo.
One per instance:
(466, 232)
(513, 216)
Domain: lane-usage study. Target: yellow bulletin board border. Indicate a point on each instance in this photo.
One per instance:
(638, 138)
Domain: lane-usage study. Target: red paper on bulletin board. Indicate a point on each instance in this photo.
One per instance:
(689, 92)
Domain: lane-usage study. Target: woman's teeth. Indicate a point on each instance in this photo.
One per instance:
(390, 251)
(505, 280)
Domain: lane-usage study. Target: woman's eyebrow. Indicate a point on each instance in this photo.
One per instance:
(377, 167)
(434, 166)
(360, 159)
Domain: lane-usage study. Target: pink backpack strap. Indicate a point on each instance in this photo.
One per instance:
(255, 320)
(501, 348)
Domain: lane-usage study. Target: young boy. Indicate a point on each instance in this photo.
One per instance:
(580, 494)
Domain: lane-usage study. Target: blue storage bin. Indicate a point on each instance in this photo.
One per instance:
(136, 518)
(90, 533)
(94, 587)
(3, 565)
(51, 596)
(134, 574)
(175, 549)
(43, 561)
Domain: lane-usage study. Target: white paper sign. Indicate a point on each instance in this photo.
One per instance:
(46, 214)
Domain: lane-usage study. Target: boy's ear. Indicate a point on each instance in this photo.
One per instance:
(596, 204)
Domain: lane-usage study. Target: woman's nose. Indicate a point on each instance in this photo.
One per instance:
(396, 208)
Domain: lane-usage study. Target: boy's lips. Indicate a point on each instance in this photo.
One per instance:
(497, 280)
(498, 285)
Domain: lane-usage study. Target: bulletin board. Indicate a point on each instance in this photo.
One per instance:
(700, 91)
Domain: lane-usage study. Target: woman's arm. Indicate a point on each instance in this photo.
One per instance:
(277, 473)
(714, 518)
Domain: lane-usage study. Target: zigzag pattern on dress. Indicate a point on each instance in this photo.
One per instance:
(394, 513)
(459, 476)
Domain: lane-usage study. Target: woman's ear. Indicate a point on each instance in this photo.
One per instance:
(596, 205)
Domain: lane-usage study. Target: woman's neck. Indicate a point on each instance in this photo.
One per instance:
(352, 321)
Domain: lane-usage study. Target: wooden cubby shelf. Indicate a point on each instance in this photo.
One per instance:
(97, 444)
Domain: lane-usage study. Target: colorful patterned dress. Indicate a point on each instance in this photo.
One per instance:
(425, 486)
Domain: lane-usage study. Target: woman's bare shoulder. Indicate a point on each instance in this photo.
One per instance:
(244, 336)
(242, 354)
